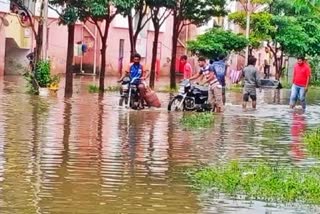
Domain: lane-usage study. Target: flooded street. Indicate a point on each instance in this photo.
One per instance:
(87, 155)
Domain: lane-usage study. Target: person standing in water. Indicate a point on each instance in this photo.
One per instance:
(187, 68)
(267, 63)
(251, 83)
(219, 68)
(300, 83)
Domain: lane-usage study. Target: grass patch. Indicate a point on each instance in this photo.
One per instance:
(312, 140)
(95, 89)
(167, 89)
(261, 181)
(235, 88)
(197, 120)
(113, 88)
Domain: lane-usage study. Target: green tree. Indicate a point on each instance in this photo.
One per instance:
(217, 41)
(69, 15)
(288, 28)
(260, 26)
(160, 10)
(102, 13)
(186, 12)
(136, 12)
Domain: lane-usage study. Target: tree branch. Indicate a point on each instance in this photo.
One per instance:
(145, 23)
(165, 18)
(99, 29)
(92, 22)
(181, 26)
(29, 15)
(55, 10)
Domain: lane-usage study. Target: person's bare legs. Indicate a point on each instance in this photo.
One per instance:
(245, 101)
(254, 105)
(244, 106)
(218, 100)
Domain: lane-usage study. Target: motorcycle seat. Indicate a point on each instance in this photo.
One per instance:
(201, 88)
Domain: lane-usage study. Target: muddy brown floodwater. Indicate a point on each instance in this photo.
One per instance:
(87, 155)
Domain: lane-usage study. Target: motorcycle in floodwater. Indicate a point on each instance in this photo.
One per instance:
(191, 97)
(129, 93)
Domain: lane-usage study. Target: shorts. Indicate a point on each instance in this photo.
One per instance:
(215, 96)
(249, 92)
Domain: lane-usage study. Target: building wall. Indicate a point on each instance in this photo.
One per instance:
(58, 39)
(57, 46)
(2, 45)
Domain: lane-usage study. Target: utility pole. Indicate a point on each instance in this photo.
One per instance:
(248, 29)
(45, 29)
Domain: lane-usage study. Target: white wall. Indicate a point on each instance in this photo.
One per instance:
(4, 6)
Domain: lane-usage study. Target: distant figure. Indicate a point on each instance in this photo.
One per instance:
(187, 69)
(251, 82)
(267, 63)
(31, 58)
(300, 83)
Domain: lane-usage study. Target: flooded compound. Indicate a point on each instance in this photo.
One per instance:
(87, 155)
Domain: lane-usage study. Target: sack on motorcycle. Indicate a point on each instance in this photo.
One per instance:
(152, 99)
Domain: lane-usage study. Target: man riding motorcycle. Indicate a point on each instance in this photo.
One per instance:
(215, 88)
(136, 71)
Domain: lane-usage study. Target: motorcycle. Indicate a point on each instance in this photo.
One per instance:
(191, 97)
(129, 93)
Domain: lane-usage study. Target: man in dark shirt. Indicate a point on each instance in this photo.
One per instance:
(219, 67)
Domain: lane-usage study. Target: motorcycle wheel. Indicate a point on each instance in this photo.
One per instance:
(123, 99)
(175, 104)
(134, 104)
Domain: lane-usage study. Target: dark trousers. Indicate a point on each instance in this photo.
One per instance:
(267, 71)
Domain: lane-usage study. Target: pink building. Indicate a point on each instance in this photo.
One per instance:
(17, 40)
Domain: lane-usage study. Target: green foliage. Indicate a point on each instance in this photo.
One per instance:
(55, 80)
(315, 68)
(113, 88)
(42, 73)
(235, 88)
(216, 42)
(70, 10)
(199, 12)
(261, 181)
(31, 87)
(168, 89)
(294, 26)
(312, 140)
(200, 120)
(93, 88)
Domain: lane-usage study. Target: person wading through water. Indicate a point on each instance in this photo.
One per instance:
(136, 71)
(251, 83)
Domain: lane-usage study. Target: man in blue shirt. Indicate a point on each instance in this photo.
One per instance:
(219, 67)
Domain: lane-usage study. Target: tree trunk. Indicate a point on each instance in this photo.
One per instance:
(103, 67)
(175, 36)
(69, 68)
(131, 37)
(39, 42)
(154, 55)
(103, 57)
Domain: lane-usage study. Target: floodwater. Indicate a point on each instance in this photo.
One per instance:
(87, 155)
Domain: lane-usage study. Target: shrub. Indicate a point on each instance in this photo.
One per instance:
(42, 73)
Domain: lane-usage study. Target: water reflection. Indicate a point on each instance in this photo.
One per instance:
(298, 128)
(86, 155)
